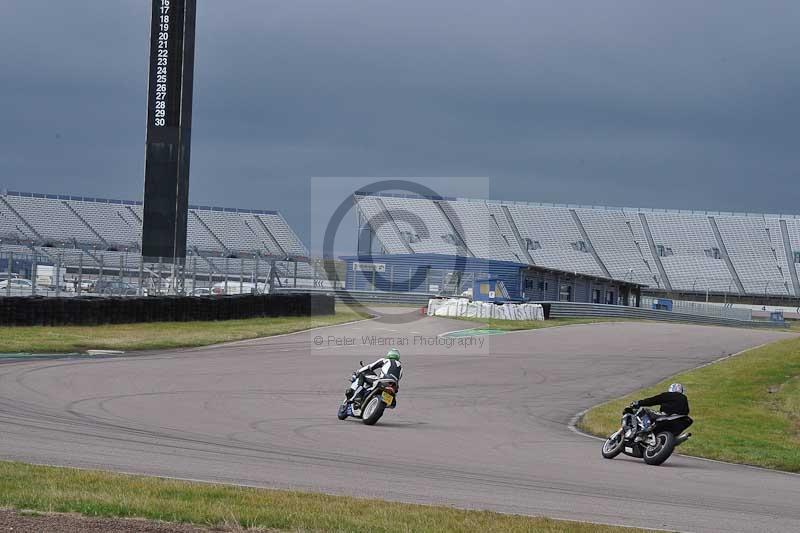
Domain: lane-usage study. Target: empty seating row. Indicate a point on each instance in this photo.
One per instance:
(751, 249)
(613, 238)
(425, 228)
(553, 239)
(96, 224)
(379, 220)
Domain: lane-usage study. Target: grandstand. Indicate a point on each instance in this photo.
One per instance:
(60, 221)
(98, 234)
(681, 253)
(672, 252)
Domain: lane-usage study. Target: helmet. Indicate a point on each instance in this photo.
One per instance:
(393, 354)
(676, 387)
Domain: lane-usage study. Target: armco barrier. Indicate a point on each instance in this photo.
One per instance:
(365, 297)
(40, 311)
(700, 308)
(574, 310)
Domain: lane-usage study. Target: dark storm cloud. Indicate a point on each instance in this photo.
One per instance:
(680, 104)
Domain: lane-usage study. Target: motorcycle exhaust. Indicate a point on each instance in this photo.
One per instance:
(682, 438)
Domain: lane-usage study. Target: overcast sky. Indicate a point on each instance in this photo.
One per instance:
(692, 105)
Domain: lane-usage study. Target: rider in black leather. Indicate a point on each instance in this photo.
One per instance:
(672, 402)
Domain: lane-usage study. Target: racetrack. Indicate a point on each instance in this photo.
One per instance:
(476, 426)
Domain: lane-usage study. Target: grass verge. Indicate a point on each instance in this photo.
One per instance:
(102, 494)
(158, 335)
(516, 325)
(746, 409)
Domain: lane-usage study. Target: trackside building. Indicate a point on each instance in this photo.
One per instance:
(450, 275)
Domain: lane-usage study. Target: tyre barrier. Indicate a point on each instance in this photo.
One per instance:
(89, 311)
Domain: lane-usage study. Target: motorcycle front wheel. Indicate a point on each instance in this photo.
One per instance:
(373, 410)
(613, 445)
(342, 413)
(665, 443)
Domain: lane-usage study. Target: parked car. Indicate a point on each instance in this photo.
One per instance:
(17, 284)
(201, 291)
(114, 287)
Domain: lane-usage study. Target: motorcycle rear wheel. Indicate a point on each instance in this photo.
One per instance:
(665, 444)
(612, 448)
(373, 410)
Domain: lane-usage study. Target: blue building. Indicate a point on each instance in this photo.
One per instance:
(448, 275)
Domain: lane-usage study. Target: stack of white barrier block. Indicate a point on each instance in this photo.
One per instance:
(462, 307)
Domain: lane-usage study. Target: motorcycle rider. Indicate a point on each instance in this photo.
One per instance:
(389, 366)
(672, 402)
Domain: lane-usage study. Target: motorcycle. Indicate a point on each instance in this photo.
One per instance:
(647, 435)
(372, 401)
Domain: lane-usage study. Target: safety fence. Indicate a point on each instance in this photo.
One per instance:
(60, 272)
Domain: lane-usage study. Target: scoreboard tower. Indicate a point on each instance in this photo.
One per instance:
(169, 130)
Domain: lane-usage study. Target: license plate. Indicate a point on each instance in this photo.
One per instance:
(387, 398)
(628, 450)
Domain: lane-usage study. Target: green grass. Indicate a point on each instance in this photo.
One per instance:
(746, 409)
(516, 325)
(102, 494)
(158, 335)
(793, 325)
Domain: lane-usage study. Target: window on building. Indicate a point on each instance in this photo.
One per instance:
(565, 293)
(797, 257)
(597, 294)
(713, 253)
(610, 298)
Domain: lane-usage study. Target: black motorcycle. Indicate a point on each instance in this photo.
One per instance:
(647, 435)
(372, 401)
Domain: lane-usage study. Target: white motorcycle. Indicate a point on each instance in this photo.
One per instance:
(371, 402)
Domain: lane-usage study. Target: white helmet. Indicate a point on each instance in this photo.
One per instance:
(676, 387)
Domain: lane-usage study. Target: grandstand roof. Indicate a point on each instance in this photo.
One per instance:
(579, 206)
(134, 202)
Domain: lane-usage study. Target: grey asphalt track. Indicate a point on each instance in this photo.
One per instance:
(477, 426)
